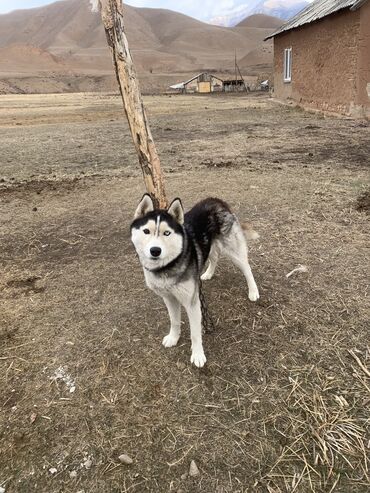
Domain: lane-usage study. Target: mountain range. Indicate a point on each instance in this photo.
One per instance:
(240, 9)
(62, 46)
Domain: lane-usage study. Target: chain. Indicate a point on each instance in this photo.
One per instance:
(207, 322)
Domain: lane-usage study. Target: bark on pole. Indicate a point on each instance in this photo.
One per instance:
(113, 21)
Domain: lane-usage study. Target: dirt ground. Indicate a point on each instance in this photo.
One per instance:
(283, 402)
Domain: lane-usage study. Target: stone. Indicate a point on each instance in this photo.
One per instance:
(193, 470)
(88, 463)
(125, 459)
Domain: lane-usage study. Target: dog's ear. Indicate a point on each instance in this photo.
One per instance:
(146, 205)
(176, 211)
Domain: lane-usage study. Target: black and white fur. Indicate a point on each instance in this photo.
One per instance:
(174, 248)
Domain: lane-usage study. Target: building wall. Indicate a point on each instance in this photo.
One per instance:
(325, 62)
(217, 84)
(210, 84)
(363, 75)
(192, 86)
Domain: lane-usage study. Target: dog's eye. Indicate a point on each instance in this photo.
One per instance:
(167, 233)
(146, 231)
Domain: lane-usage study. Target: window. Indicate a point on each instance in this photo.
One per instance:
(287, 64)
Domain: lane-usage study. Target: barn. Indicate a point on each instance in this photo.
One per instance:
(235, 85)
(202, 83)
(322, 57)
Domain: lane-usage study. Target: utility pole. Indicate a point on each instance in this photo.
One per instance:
(236, 74)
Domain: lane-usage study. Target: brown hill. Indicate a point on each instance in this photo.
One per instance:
(18, 58)
(258, 60)
(71, 37)
(261, 21)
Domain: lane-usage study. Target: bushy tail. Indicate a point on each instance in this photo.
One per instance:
(249, 232)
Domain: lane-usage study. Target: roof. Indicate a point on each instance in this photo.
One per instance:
(233, 81)
(315, 11)
(181, 85)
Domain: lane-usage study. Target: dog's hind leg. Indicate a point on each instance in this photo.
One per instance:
(174, 311)
(212, 263)
(236, 249)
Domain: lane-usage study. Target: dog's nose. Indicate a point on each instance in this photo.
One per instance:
(155, 251)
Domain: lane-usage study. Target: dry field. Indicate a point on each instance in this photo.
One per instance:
(283, 403)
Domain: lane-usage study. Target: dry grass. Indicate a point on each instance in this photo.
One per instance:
(363, 202)
(283, 404)
(326, 429)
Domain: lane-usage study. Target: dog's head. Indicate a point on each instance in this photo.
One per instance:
(157, 234)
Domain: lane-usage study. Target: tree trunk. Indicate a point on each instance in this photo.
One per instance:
(112, 16)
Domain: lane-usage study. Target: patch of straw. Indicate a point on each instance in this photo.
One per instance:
(326, 435)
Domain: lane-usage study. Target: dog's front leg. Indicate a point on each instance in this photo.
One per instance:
(193, 309)
(174, 311)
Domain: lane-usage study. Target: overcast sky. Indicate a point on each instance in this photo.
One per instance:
(183, 5)
(194, 8)
(200, 9)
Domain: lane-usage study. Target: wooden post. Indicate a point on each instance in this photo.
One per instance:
(112, 17)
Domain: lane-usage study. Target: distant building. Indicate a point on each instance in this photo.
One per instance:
(234, 85)
(202, 83)
(265, 85)
(322, 57)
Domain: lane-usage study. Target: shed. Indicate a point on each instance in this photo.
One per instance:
(235, 85)
(322, 57)
(202, 83)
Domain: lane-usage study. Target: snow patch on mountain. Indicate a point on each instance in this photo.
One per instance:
(284, 9)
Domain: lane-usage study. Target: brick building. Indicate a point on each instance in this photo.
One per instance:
(322, 57)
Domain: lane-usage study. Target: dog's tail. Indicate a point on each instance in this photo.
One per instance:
(249, 232)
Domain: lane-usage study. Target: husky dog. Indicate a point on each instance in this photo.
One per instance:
(174, 248)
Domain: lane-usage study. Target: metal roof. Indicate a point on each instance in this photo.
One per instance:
(315, 11)
(181, 85)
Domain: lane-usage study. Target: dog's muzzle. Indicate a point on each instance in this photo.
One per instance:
(155, 252)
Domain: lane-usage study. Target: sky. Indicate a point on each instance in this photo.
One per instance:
(194, 8)
(202, 10)
(8, 5)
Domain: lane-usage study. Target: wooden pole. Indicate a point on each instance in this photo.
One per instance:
(236, 75)
(242, 78)
(112, 17)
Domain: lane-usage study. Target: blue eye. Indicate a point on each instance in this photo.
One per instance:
(167, 233)
(146, 231)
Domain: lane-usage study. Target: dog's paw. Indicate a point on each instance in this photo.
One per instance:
(206, 276)
(170, 340)
(254, 294)
(198, 359)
